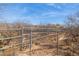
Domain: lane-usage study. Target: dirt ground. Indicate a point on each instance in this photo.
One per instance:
(38, 51)
(46, 46)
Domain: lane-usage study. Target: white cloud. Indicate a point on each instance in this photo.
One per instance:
(54, 5)
(54, 14)
(51, 4)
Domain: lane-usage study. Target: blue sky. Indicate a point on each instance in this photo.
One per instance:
(37, 12)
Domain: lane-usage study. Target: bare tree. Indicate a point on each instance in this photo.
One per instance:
(72, 26)
(72, 32)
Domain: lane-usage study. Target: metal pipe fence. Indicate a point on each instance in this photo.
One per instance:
(29, 32)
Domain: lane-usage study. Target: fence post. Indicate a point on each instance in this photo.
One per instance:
(21, 40)
(30, 46)
(57, 43)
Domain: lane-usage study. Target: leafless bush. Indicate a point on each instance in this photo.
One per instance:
(72, 31)
(72, 27)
